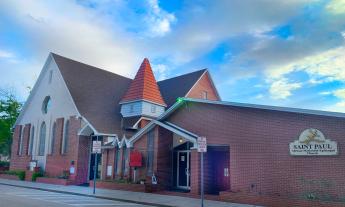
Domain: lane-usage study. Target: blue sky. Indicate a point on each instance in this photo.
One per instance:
(286, 53)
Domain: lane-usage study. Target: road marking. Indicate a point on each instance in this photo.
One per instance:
(104, 204)
(42, 195)
(72, 200)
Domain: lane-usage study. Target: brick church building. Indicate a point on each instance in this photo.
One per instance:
(150, 129)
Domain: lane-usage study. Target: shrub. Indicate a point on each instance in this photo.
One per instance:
(35, 175)
(4, 164)
(19, 173)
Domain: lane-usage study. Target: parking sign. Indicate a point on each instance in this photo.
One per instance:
(202, 145)
(96, 146)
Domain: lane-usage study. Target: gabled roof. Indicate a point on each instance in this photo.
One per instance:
(95, 92)
(144, 86)
(179, 86)
(247, 105)
(162, 120)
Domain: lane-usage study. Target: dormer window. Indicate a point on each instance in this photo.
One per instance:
(204, 94)
(46, 104)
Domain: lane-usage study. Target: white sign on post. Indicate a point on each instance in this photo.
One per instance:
(202, 145)
(96, 146)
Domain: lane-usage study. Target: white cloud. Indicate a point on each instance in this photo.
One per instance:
(336, 6)
(77, 32)
(325, 93)
(6, 54)
(259, 96)
(203, 26)
(340, 105)
(329, 64)
(340, 93)
(282, 89)
(160, 71)
(159, 21)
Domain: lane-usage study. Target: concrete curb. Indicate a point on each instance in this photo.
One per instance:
(87, 195)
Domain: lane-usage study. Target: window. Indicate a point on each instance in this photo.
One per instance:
(204, 94)
(42, 141)
(65, 138)
(46, 104)
(20, 141)
(131, 108)
(153, 109)
(150, 152)
(117, 162)
(125, 161)
(52, 141)
(50, 76)
(31, 143)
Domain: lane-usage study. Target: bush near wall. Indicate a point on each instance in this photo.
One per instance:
(19, 173)
(36, 175)
(4, 165)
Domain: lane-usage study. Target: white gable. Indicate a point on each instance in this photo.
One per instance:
(62, 104)
(50, 83)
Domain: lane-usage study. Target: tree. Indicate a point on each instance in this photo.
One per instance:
(9, 110)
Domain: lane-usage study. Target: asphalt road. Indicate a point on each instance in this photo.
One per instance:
(23, 197)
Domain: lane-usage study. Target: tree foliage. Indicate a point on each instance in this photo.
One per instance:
(9, 111)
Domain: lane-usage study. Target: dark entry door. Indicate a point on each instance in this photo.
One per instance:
(183, 172)
(218, 172)
(93, 161)
(92, 166)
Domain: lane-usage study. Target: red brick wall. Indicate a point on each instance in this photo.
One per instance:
(20, 162)
(195, 172)
(141, 146)
(204, 84)
(108, 159)
(56, 163)
(259, 153)
(164, 157)
(82, 161)
(104, 163)
(111, 161)
(78, 151)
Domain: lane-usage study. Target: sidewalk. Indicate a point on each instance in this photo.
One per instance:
(127, 196)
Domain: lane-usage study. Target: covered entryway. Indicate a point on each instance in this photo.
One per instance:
(173, 160)
(182, 165)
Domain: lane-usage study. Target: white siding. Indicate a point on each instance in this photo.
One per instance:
(62, 105)
(141, 108)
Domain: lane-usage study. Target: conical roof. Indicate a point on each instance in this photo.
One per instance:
(144, 86)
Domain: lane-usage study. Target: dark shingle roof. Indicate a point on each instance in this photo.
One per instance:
(95, 92)
(179, 86)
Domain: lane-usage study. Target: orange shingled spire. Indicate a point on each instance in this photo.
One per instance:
(144, 86)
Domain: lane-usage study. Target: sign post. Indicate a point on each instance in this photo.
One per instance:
(96, 148)
(202, 148)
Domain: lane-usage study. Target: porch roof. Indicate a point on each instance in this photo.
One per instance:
(169, 126)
